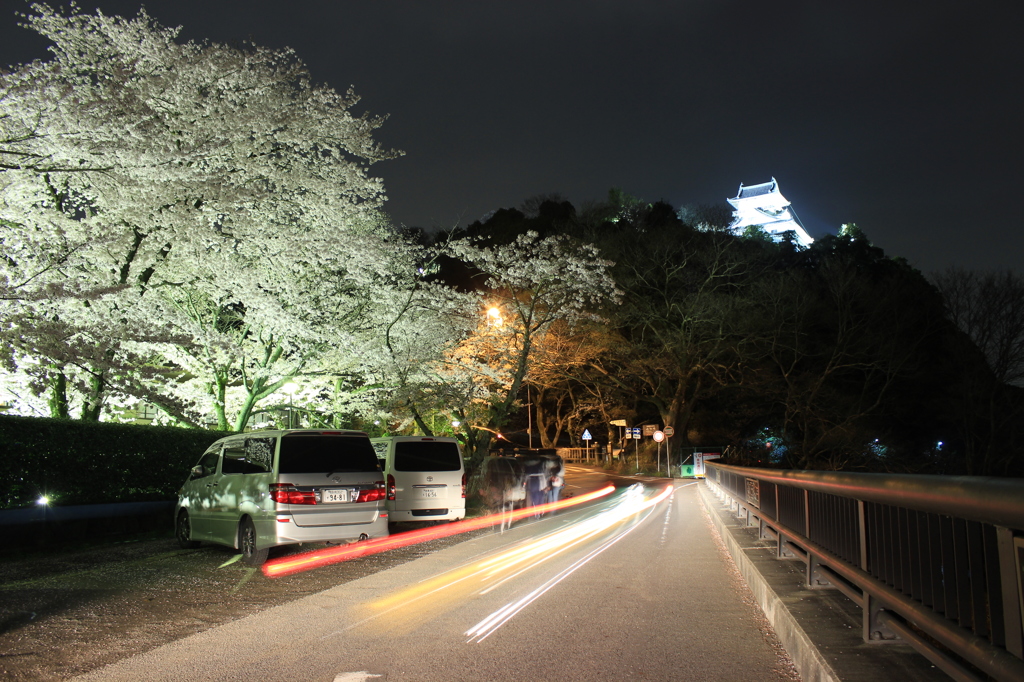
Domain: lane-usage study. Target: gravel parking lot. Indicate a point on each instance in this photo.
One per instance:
(66, 612)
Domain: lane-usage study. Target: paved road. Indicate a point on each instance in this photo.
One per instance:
(624, 588)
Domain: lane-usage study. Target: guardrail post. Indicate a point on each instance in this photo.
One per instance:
(862, 532)
(816, 578)
(807, 514)
(1008, 574)
(875, 630)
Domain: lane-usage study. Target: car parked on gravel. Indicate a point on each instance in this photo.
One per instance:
(266, 489)
(426, 478)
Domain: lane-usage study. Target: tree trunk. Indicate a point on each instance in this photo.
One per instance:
(218, 391)
(93, 406)
(251, 398)
(58, 400)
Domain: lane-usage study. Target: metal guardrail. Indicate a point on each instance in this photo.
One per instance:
(584, 455)
(935, 561)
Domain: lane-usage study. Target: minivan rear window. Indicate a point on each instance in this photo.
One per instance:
(310, 454)
(413, 455)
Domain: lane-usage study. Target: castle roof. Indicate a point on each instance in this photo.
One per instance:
(757, 190)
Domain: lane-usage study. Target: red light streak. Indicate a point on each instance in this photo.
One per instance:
(333, 555)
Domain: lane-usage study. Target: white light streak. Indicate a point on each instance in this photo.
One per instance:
(629, 505)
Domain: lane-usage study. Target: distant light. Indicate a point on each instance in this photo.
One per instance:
(43, 500)
(456, 423)
(939, 445)
(376, 422)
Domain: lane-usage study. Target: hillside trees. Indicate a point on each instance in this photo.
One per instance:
(680, 333)
(174, 206)
(988, 361)
(848, 333)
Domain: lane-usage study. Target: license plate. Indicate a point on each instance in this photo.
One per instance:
(428, 492)
(332, 496)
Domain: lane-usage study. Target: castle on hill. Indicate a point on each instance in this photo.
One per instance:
(765, 206)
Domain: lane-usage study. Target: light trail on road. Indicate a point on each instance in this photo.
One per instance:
(631, 504)
(421, 602)
(309, 560)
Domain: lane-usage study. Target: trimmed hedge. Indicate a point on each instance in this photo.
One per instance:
(76, 462)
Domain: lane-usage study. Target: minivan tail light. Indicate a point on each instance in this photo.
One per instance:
(286, 493)
(391, 487)
(372, 494)
(463, 483)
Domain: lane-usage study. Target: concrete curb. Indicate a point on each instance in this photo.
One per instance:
(39, 526)
(43, 514)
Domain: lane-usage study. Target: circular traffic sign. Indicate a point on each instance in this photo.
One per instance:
(659, 436)
(669, 431)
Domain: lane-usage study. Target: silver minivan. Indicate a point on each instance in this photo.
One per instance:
(264, 489)
(426, 478)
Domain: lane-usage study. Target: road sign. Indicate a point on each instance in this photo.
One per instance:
(658, 436)
(586, 434)
(636, 432)
(669, 431)
(649, 429)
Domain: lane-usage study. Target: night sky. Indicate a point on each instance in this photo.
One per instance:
(903, 117)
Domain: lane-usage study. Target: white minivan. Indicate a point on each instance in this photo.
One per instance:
(264, 489)
(426, 479)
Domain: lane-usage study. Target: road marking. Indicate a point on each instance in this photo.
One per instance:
(360, 676)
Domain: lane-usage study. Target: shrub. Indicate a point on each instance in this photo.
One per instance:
(76, 462)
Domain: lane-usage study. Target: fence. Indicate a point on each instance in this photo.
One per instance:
(594, 455)
(932, 560)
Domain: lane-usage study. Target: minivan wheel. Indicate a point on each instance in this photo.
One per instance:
(183, 531)
(247, 543)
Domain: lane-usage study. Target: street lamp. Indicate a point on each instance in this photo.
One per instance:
(494, 317)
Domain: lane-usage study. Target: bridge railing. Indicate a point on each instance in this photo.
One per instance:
(935, 561)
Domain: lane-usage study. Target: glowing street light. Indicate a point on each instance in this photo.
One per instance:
(494, 317)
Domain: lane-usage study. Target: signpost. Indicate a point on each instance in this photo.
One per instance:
(659, 436)
(636, 451)
(587, 437)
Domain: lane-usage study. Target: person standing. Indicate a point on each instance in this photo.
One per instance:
(536, 481)
(556, 477)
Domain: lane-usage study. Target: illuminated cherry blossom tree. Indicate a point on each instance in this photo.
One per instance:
(186, 214)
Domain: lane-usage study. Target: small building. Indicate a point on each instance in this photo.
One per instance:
(765, 206)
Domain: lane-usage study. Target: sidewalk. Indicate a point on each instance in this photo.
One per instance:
(820, 628)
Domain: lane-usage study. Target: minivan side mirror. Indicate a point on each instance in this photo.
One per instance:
(197, 471)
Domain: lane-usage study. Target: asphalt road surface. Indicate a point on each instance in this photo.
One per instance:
(630, 586)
